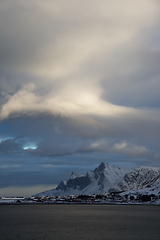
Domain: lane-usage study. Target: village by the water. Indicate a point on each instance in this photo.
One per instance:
(113, 198)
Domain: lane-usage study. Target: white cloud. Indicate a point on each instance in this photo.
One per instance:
(131, 150)
(68, 47)
(123, 148)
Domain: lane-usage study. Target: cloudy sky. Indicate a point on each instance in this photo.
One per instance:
(79, 84)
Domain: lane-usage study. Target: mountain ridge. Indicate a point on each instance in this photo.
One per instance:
(98, 181)
(104, 179)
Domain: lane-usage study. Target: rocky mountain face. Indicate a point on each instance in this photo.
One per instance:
(148, 193)
(104, 179)
(139, 178)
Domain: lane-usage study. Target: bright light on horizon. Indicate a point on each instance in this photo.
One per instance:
(30, 146)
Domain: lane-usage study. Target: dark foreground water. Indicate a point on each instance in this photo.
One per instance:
(75, 222)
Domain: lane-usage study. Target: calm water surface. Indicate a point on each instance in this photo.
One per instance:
(75, 222)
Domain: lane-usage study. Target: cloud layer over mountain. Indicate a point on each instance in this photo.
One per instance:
(79, 79)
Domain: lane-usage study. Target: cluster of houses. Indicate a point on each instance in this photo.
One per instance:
(112, 198)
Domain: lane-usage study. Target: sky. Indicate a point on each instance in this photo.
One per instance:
(79, 84)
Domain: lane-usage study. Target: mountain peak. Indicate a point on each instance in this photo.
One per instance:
(101, 167)
(75, 175)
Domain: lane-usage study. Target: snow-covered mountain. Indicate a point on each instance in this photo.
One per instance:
(107, 178)
(99, 181)
(150, 190)
(139, 178)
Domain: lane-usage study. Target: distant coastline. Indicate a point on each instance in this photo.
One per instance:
(84, 199)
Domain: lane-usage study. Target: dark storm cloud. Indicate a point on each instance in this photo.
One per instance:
(9, 146)
(56, 136)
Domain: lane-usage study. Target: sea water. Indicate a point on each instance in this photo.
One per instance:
(75, 222)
